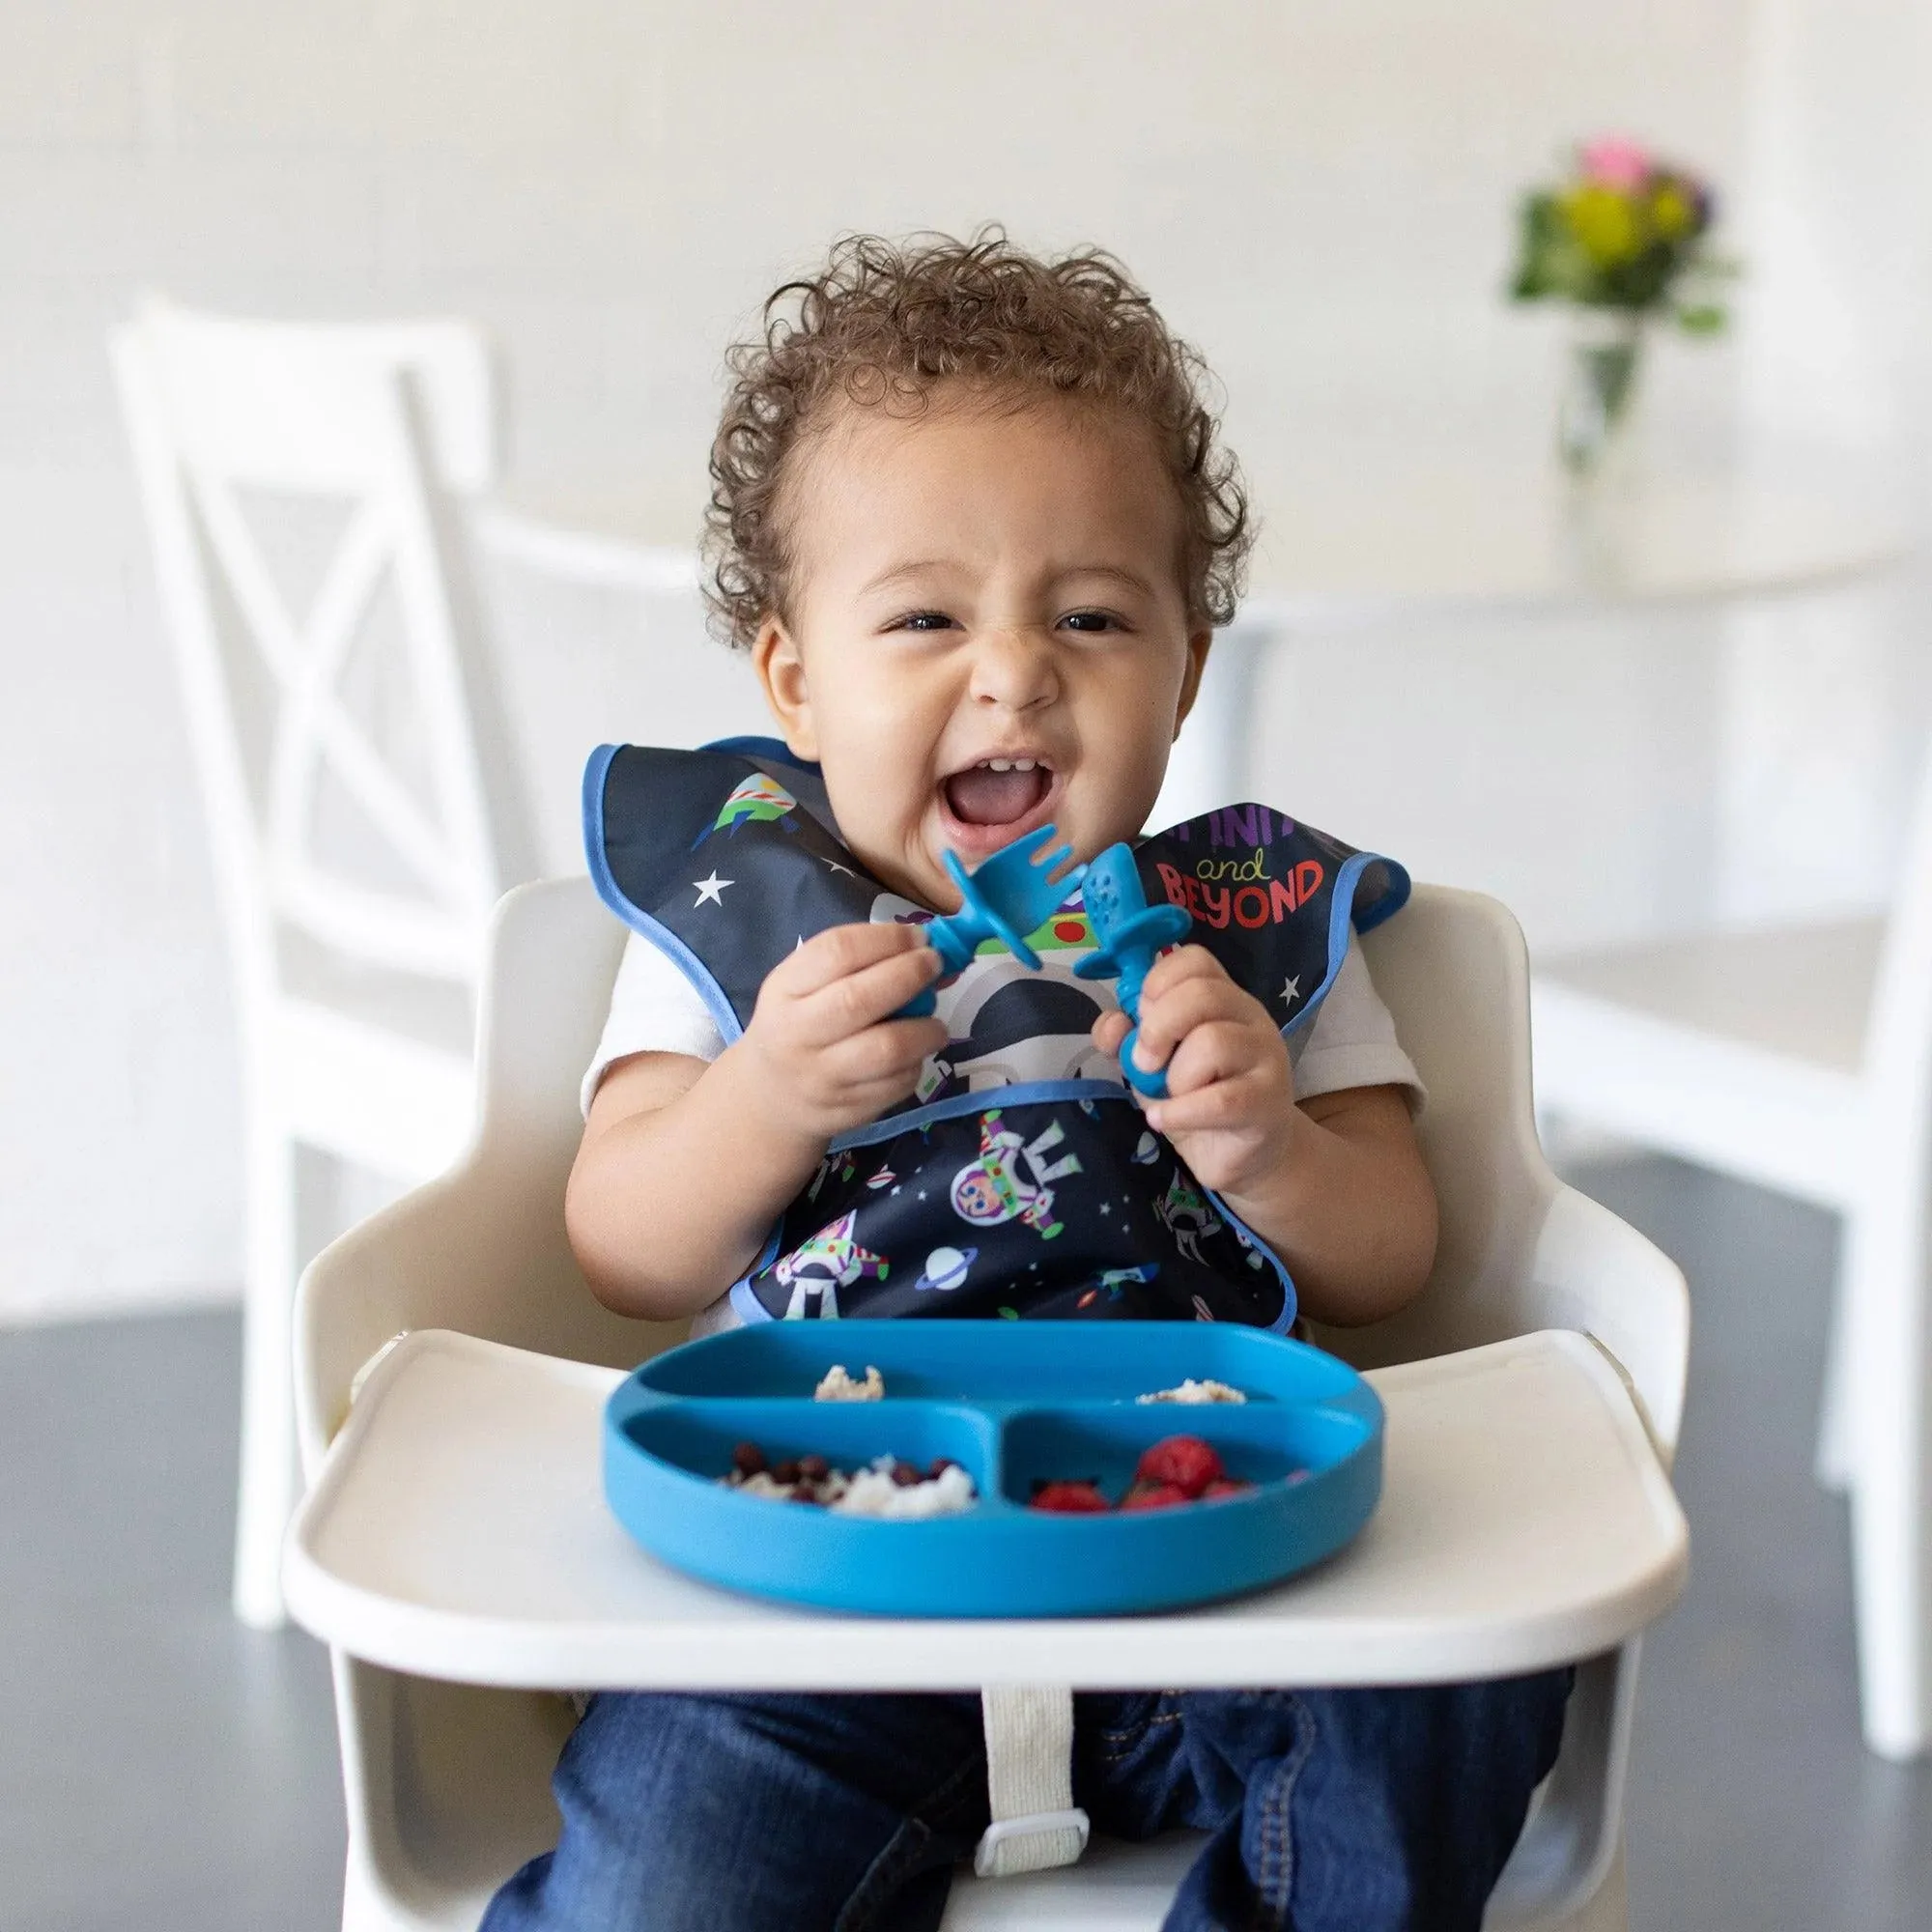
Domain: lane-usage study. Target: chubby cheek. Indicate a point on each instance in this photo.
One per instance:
(884, 800)
(1121, 787)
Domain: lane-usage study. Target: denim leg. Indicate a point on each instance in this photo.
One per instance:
(1371, 1810)
(750, 1813)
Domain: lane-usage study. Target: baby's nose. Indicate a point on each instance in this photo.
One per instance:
(1014, 668)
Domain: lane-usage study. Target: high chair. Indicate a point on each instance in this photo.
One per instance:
(455, 1551)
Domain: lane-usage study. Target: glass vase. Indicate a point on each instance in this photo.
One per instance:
(1600, 372)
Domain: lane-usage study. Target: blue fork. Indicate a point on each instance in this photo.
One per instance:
(1131, 935)
(1007, 898)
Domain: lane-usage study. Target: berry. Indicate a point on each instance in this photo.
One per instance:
(1184, 1460)
(785, 1472)
(748, 1459)
(813, 1468)
(905, 1475)
(1070, 1499)
(1154, 1496)
(1225, 1486)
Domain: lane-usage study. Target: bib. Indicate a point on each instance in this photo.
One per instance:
(1021, 1178)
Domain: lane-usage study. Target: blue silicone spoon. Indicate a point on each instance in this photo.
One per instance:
(1005, 899)
(1131, 935)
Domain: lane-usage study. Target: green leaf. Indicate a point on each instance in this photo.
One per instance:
(1701, 319)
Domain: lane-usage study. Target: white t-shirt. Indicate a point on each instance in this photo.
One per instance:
(654, 1008)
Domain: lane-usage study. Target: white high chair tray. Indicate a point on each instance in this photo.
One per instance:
(457, 1530)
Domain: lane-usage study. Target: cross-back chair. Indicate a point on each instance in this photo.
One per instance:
(364, 808)
(1800, 1059)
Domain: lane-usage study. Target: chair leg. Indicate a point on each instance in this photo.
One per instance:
(267, 1477)
(1831, 1459)
(1606, 1909)
(1886, 1292)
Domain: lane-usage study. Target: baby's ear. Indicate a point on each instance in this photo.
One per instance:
(775, 656)
(1198, 643)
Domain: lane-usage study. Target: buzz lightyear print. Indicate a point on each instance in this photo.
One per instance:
(1185, 1213)
(819, 1269)
(1010, 1180)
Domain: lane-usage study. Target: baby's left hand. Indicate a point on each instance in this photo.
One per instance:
(1231, 1093)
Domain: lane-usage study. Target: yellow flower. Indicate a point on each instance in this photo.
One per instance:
(1671, 212)
(1604, 223)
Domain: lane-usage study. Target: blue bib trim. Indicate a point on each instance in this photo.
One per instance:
(1022, 1179)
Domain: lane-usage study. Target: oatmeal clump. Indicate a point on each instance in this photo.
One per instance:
(1191, 1391)
(837, 1385)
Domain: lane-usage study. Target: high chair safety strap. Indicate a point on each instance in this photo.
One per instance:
(1030, 1781)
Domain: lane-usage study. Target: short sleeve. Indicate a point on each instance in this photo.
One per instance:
(1351, 1040)
(654, 1008)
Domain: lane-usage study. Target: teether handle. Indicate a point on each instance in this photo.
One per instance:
(1153, 1085)
(1132, 935)
(957, 936)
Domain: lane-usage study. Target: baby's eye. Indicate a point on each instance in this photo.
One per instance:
(921, 620)
(1091, 621)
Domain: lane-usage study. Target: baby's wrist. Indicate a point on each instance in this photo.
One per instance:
(758, 1096)
(1275, 1176)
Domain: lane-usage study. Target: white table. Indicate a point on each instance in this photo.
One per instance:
(1366, 542)
(1524, 1521)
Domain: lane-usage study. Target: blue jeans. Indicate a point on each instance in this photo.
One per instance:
(1369, 1811)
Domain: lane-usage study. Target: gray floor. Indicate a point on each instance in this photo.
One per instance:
(160, 1768)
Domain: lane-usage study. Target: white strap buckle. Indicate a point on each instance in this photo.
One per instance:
(1062, 1836)
(1028, 1781)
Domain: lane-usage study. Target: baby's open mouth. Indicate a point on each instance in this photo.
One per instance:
(997, 792)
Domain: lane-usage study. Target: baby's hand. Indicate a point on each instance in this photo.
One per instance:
(1231, 1093)
(827, 1050)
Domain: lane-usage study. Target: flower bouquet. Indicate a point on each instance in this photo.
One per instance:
(1623, 241)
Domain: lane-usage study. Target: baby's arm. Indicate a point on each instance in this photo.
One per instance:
(1336, 1186)
(683, 1166)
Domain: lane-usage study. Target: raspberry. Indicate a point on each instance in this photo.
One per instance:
(1184, 1460)
(1225, 1486)
(1070, 1499)
(1154, 1496)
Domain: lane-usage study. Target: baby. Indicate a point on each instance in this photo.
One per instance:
(972, 520)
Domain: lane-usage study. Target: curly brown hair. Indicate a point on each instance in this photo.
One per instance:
(885, 323)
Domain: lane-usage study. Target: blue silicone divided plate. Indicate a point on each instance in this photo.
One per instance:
(1012, 1402)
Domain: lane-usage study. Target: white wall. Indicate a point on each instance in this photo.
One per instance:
(1318, 193)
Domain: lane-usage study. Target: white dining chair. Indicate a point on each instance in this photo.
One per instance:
(1800, 1059)
(364, 807)
(454, 1547)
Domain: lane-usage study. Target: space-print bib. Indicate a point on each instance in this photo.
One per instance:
(1020, 1177)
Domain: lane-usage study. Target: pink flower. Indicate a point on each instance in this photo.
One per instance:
(1615, 162)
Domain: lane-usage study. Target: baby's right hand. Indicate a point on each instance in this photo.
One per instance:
(828, 1051)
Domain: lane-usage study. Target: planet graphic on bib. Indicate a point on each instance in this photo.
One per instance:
(1146, 1148)
(945, 1268)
